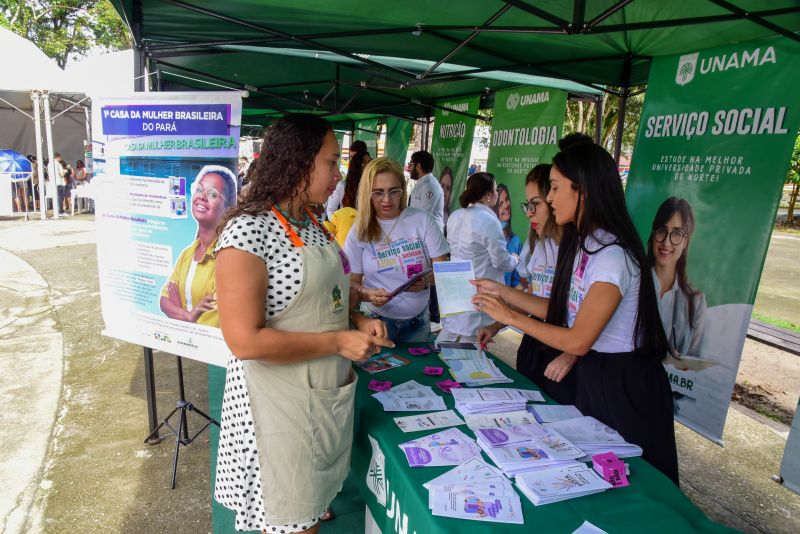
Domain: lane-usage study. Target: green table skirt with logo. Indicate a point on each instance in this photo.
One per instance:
(399, 504)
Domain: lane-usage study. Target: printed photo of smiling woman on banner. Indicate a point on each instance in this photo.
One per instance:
(713, 148)
(165, 171)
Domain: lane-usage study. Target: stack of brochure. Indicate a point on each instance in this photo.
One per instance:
(449, 447)
(475, 490)
(560, 483)
(499, 420)
(593, 437)
(493, 400)
(514, 456)
(410, 396)
(480, 372)
(551, 413)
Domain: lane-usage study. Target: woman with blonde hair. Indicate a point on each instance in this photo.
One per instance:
(389, 244)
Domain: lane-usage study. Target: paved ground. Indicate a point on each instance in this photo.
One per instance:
(74, 401)
(778, 292)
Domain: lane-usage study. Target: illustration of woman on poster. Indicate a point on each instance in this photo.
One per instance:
(682, 307)
(446, 181)
(513, 243)
(190, 292)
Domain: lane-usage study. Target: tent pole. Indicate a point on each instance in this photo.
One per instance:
(138, 48)
(623, 105)
(37, 125)
(598, 119)
(54, 174)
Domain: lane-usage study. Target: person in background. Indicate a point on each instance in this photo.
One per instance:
(513, 243)
(80, 173)
(389, 244)
(34, 180)
(681, 306)
(357, 147)
(446, 181)
(600, 309)
(535, 359)
(282, 289)
(427, 194)
(471, 170)
(355, 168)
(341, 220)
(474, 233)
(572, 139)
(64, 185)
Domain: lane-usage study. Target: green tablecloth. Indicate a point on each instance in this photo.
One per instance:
(652, 503)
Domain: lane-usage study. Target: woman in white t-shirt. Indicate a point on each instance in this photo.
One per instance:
(388, 244)
(545, 366)
(475, 233)
(599, 309)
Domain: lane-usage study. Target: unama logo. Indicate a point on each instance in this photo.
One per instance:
(686, 68)
(512, 101)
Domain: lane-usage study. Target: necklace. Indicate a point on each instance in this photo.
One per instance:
(302, 223)
(388, 238)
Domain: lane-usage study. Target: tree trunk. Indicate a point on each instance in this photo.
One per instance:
(792, 202)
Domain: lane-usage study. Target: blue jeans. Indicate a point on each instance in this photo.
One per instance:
(414, 330)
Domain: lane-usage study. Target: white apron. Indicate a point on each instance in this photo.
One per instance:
(303, 412)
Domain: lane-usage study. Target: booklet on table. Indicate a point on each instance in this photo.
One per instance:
(428, 421)
(560, 483)
(382, 362)
(449, 447)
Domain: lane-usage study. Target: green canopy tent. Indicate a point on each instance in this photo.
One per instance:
(329, 84)
(600, 43)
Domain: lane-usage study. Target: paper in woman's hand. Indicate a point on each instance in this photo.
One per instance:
(453, 288)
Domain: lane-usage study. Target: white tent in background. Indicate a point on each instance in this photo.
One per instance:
(29, 72)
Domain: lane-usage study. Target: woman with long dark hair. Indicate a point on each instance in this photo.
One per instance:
(599, 309)
(681, 306)
(282, 293)
(474, 233)
(548, 368)
(341, 220)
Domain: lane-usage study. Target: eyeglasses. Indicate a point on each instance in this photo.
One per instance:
(530, 206)
(676, 236)
(212, 193)
(393, 193)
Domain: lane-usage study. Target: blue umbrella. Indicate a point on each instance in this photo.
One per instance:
(15, 164)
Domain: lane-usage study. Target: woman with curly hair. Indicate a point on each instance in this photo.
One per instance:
(282, 294)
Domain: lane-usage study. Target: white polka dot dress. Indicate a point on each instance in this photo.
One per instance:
(238, 484)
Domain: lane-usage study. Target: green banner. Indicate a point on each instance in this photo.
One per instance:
(367, 131)
(717, 131)
(398, 133)
(526, 126)
(452, 143)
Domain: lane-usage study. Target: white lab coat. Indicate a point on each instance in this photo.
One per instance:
(428, 195)
(474, 233)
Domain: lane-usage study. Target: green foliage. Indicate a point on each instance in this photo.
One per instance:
(65, 29)
(793, 175)
(581, 118)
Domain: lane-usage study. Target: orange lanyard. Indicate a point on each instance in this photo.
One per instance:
(296, 240)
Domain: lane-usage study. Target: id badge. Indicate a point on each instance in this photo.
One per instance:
(345, 261)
